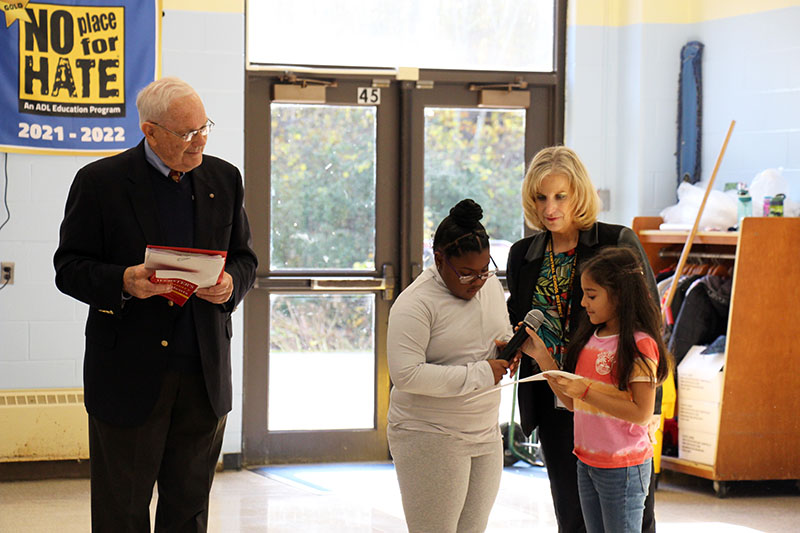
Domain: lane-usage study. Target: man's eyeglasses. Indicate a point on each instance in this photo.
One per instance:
(466, 280)
(189, 135)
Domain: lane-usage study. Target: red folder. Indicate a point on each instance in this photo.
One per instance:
(188, 269)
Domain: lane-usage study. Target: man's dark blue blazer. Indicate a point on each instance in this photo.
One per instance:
(111, 216)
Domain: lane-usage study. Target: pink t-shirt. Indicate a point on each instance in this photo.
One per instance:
(602, 440)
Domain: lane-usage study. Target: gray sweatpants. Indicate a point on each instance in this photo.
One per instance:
(448, 485)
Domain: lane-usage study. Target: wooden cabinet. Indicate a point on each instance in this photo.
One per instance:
(759, 423)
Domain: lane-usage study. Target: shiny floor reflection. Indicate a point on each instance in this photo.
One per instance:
(364, 498)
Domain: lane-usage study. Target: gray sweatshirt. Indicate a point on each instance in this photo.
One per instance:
(438, 345)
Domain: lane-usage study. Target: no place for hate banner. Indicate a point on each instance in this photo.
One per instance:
(70, 72)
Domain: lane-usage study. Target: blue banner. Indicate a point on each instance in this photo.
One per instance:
(70, 72)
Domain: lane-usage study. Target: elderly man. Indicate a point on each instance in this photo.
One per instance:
(157, 376)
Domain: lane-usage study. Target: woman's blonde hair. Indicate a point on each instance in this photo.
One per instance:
(560, 160)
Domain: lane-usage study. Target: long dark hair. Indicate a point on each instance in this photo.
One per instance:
(461, 231)
(618, 270)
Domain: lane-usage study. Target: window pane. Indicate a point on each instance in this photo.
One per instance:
(323, 187)
(478, 154)
(321, 362)
(444, 34)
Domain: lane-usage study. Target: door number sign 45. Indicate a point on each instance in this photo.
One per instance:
(369, 95)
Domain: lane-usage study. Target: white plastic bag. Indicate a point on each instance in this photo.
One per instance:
(769, 182)
(719, 212)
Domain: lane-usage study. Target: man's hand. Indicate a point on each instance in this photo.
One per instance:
(136, 282)
(219, 293)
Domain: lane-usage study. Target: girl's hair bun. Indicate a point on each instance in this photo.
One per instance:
(466, 214)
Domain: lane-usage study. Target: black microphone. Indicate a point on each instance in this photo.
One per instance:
(533, 320)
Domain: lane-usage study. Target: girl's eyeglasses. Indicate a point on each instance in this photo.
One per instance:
(466, 280)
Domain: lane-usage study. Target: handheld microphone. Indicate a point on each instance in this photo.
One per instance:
(533, 320)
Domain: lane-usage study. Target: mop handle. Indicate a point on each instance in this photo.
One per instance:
(688, 244)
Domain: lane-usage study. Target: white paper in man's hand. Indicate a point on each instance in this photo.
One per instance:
(187, 269)
(200, 267)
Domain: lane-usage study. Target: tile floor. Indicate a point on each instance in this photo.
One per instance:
(355, 498)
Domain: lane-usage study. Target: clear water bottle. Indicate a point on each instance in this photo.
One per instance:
(745, 207)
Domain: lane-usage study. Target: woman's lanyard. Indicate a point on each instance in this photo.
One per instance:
(559, 305)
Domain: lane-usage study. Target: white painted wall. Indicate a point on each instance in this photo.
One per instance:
(752, 66)
(41, 330)
(622, 94)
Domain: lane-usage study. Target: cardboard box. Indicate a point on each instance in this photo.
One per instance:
(700, 376)
(697, 446)
(698, 415)
(699, 397)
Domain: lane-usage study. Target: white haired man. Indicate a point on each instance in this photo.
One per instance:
(157, 376)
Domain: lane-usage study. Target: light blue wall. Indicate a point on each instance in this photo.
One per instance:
(622, 93)
(41, 330)
(752, 75)
(207, 50)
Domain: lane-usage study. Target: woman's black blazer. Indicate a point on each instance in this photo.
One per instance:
(536, 400)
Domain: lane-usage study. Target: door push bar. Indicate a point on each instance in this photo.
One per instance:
(385, 284)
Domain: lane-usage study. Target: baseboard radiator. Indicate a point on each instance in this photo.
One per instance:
(43, 425)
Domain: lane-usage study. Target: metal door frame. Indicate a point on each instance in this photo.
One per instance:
(402, 199)
(543, 127)
(259, 445)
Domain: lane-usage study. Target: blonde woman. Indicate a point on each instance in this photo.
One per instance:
(560, 201)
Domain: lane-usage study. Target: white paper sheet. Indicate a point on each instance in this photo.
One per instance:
(535, 377)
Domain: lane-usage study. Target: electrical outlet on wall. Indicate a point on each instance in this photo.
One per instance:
(605, 199)
(6, 273)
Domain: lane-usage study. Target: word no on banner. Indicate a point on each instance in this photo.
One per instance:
(76, 73)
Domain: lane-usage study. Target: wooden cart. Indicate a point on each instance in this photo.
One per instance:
(759, 423)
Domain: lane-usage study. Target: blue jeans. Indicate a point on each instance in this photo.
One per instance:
(612, 499)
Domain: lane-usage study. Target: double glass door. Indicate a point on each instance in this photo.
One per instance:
(347, 179)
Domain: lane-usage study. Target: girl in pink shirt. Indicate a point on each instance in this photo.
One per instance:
(620, 354)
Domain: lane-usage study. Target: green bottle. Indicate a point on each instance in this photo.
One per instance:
(776, 205)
